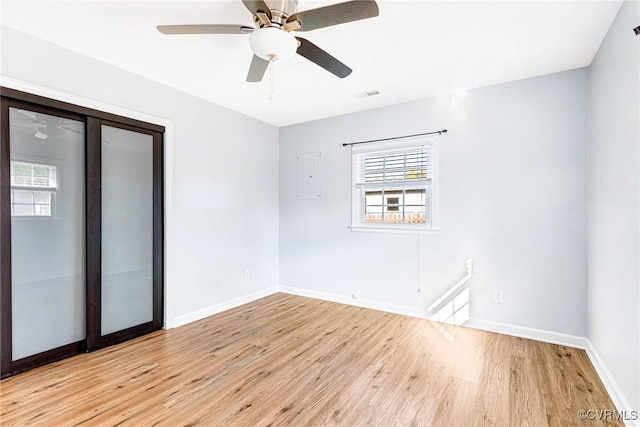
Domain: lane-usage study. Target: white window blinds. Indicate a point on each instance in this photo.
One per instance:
(394, 166)
(32, 175)
(394, 184)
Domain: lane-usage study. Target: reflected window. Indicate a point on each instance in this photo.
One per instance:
(33, 189)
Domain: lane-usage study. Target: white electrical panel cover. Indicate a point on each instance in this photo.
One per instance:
(308, 176)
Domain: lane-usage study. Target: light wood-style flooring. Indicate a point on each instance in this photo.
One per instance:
(289, 360)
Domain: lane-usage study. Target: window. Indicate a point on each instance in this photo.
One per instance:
(392, 203)
(33, 189)
(395, 185)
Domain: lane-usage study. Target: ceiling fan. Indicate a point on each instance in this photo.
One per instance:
(273, 41)
(43, 125)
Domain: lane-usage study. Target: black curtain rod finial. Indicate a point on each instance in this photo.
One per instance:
(637, 30)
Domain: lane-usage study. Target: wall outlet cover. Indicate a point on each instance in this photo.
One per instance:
(498, 296)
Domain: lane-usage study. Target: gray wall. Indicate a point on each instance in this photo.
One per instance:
(513, 196)
(225, 166)
(513, 199)
(613, 203)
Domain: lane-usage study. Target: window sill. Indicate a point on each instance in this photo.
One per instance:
(43, 218)
(392, 229)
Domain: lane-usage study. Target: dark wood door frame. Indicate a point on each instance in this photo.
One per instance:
(94, 232)
(95, 339)
(5, 240)
(93, 120)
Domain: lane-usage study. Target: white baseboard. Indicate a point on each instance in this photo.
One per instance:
(529, 333)
(218, 308)
(502, 328)
(618, 398)
(621, 402)
(343, 299)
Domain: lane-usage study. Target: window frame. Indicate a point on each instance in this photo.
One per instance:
(358, 190)
(54, 191)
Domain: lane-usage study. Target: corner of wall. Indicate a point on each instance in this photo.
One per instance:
(612, 387)
(218, 308)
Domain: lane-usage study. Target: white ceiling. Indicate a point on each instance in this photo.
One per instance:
(413, 50)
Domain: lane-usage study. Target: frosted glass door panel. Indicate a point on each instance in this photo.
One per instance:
(127, 229)
(47, 232)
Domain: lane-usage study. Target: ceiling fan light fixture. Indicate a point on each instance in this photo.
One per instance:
(273, 44)
(49, 131)
(40, 135)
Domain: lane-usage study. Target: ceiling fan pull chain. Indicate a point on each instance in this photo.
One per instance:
(272, 78)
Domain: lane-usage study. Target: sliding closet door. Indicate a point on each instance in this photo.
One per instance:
(47, 211)
(127, 172)
(81, 227)
(127, 229)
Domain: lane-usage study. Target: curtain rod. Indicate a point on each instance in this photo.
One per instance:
(439, 132)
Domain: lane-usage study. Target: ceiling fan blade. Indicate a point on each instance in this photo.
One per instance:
(256, 6)
(26, 114)
(25, 125)
(52, 132)
(68, 129)
(204, 29)
(318, 56)
(335, 14)
(257, 69)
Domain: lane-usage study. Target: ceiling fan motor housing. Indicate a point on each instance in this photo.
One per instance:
(281, 10)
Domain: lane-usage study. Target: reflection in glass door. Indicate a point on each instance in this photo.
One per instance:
(127, 229)
(47, 208)
(81, 219)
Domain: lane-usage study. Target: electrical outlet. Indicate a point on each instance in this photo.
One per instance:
(498, 296)
(247, 274)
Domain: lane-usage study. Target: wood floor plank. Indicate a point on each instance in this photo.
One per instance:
(456, 403)
(289, 360)
(526, 405)
(492, 399)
